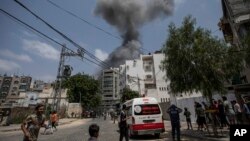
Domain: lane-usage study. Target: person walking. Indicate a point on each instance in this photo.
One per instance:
(54, 120)
(174, 112)
(123, 124)
(32, 124)
(49, 125)
(187, 114)
(93, 132)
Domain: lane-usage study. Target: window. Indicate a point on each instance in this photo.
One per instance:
(14, 88)
(22, 87)
(134, 64)
(129, 109)
(106, 91)
(108, 95)
(148, 68)
(148, 76)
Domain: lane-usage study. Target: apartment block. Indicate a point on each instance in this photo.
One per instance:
(110, 88)
(11, 86)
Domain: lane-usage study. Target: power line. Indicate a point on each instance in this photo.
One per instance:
(95, 26)
(63, 35)
(40, 33)
(74, 15)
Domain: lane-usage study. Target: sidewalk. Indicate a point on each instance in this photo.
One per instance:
(222, 133)
(17, 127)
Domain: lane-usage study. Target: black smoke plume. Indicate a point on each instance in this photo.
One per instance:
(128, 16)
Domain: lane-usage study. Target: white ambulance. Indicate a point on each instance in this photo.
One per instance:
(145, 116)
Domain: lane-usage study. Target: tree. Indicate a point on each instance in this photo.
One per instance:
(84, 87)
(128, 94)
(197, 61)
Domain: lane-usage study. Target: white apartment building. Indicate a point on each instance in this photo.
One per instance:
(145, 76)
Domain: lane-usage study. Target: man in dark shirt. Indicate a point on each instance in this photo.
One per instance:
(174, 112)
(123, 124)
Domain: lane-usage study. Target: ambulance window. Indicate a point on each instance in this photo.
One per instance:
(149, 109)
(129, 111)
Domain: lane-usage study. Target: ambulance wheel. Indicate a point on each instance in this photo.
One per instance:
(157, 135)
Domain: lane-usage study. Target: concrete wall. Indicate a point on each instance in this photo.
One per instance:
(164, 106)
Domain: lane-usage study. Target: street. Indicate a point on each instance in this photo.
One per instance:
(78, 131)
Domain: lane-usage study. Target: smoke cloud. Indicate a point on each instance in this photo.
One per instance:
(128, 16)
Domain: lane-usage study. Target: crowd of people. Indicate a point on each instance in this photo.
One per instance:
(221, 113)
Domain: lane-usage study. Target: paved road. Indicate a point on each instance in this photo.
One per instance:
(78, 131)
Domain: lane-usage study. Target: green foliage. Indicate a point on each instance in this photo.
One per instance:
(128, 94)
(246, 47)
(84, 86)
(196, 61)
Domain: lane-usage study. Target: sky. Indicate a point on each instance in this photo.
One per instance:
(25, 52)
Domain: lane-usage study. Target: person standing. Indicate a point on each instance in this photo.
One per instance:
(222, 115)
(32, 124)
(187, 114)
(246, 109)
(123, 124)
(93, 132)
(229, 110)
(238, 112)
(201, 118)
(174, 112)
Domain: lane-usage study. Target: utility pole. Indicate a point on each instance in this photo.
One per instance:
(80, 104)
(139, 86)
(60, 75)
(138, 82)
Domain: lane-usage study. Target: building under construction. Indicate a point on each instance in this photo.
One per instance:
(235, 23)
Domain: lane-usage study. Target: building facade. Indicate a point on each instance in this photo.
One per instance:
(145, 76)
(11, 86)
(235, 26)
(110, 88)
(235, 22)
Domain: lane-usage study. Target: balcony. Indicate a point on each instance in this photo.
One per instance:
(238, 8)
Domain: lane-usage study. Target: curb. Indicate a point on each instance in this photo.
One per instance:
(18, 129)
(204, 136)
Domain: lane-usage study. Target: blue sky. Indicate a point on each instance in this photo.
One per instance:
(24, 52)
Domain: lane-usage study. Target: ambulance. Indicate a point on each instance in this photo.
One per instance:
(145, 117)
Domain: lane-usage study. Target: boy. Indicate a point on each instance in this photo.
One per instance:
(32, 124)
(187, 114)
(93, 132)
